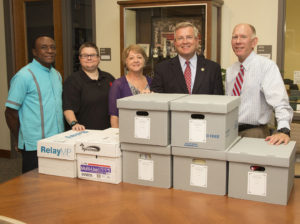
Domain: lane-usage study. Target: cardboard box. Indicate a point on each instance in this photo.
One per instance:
(262, 172)
(205, 121)
(58, 167)
(98, 168)
(111, 131)
(145, 118)
(105, 143)
(61, 146)
(295, 135)
(147, 165)
(200, 170)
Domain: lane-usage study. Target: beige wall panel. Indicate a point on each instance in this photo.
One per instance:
(262, 14)
(292, 39)
(108, 33)
(4, 132)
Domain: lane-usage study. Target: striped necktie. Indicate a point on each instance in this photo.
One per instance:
(187, 76)
(237, 88)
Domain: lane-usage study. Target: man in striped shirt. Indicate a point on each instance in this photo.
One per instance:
(34, 103)
(258, 82)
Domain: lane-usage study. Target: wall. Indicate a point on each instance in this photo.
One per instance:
(108, 33)
(4, 133)
(262, 14)
(292, 39)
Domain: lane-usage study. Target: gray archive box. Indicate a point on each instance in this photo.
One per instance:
(147, 165)
(262, 172)
(145, 118)
(200, 170)
(205, 121)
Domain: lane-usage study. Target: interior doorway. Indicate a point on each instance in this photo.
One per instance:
(32, 18)
(70, 22)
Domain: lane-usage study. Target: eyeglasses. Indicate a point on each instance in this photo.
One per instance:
(86, 56)
(187, 38)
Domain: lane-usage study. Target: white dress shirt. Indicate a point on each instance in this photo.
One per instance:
(193, 66)
(263, 90)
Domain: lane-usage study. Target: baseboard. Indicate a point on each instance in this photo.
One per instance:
(4, 153)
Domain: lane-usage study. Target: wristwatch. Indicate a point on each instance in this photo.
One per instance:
(284, 131)
(73, 123)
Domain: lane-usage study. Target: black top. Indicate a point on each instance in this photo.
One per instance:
(169, 78)
(88, 98)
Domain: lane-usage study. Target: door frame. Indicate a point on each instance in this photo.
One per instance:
(20, 34)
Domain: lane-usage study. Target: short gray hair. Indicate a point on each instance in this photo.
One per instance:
(252, 28)
(186, 24)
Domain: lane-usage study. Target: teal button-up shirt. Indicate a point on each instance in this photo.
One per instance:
(36, 92)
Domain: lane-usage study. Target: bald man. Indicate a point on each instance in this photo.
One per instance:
(257, 80)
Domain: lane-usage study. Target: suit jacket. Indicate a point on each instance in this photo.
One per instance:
(169, 78)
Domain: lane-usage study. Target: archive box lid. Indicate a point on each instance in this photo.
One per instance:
(203, 153)
(199, 153)
(259, 151)
(151, 101)
(206, 103)
(156, 149)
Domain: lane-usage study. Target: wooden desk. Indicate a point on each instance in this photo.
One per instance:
(37, 198)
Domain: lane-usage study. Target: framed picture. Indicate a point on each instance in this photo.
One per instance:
(146, 48)
(163, 34)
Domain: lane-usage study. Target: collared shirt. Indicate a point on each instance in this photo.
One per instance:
(193, 66)
(36, 92)
(88, 98)
(262, 91)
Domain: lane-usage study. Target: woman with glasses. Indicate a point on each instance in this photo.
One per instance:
(134, 82)
(85, 92)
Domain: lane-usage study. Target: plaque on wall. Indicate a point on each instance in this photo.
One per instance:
(105, 54)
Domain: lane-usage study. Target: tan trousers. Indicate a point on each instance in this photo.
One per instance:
(259, 132)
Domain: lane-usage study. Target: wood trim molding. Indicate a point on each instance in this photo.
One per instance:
(166, 2)
(57, 22)
(219, 35)
(208, 30)
(4, 153)
(122, 8)
(20, 37)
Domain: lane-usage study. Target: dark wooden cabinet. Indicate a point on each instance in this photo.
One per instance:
(152, 23)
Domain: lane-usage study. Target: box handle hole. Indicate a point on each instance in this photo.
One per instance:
(142, 113)
(197, 116)
(257, 168)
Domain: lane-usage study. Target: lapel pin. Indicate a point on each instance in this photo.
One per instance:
(202, 69)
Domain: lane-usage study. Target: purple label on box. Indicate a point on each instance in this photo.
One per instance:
(95, 169)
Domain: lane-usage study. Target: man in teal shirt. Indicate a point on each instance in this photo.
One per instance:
(34, 103)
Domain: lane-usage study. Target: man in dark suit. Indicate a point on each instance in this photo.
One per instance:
(187, 72)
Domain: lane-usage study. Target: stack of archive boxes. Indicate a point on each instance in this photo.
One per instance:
(203, 128)
(145, 136)
(89, 154)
